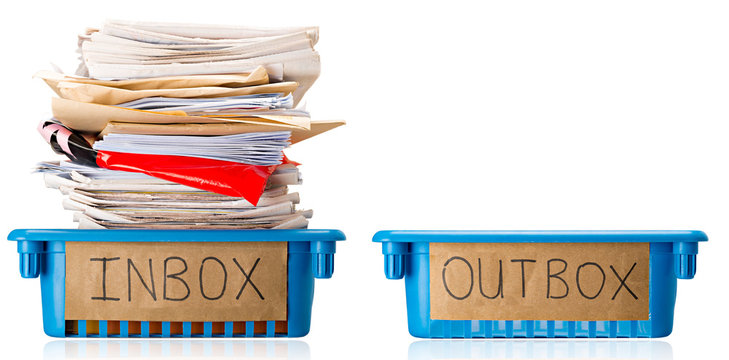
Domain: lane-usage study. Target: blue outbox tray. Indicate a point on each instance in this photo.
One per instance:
(310, 255)
(672, 255)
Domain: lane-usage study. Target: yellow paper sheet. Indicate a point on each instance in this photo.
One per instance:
(106, 95)
(93, 118)
(258, 77)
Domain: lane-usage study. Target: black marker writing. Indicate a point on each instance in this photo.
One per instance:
(152, 292)
(500, 289)
(103, 296)
(225, 278)
(523, 280)
(579, 287)
(470, 269)
(550, 275)
(175, 276)
(248, 279)
(622, 282)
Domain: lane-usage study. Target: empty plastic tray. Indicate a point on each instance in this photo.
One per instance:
(672, 255)
(310, 255)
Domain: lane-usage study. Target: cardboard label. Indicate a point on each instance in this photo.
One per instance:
(539, 281)
(176, 281)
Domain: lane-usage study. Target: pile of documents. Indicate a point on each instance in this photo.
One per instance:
(179, 126)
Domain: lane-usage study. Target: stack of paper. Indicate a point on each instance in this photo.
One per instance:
(127, 50)
(180, 126)
(112, 199)
(265, 148)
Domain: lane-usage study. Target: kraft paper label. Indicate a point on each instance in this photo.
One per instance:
(539, 281)
(168, 281)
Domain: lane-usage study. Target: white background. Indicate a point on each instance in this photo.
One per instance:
(516, 115)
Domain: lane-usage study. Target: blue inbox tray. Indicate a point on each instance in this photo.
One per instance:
(671, 254)
(310, 255)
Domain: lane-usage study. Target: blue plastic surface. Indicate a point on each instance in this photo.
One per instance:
(310, 255)
(672, 256)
